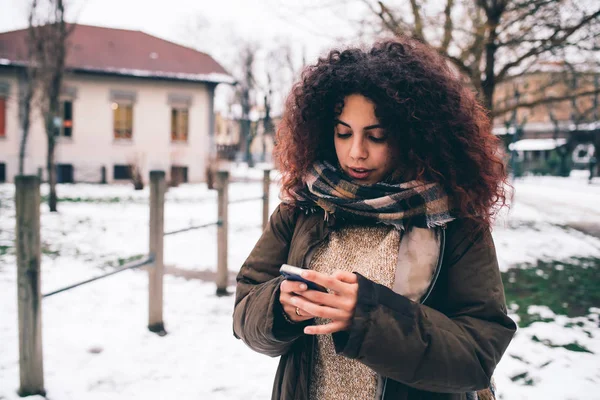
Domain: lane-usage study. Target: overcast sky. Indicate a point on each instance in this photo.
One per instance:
(311, 29)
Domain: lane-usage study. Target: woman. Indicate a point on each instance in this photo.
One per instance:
(390, 180)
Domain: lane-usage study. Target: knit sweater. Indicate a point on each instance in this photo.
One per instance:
(373, 252)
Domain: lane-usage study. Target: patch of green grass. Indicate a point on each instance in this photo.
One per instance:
(570, 346)
(516, 357)
(119, 262)
(103, 200)
(523, 378)
(571, 324)
(4, 249)
(567, 287)
(51, 253)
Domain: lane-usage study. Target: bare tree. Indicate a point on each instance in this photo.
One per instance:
(282, 69)
(48, 33)
(27, 84)
(490, 41)
(267, 121)
(245, 95)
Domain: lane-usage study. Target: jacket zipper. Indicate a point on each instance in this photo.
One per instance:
(435, 277)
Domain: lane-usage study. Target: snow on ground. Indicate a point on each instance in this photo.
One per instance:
(540, 223)
(96, 345)
(525, 234)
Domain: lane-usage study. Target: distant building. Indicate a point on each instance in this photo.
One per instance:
(573, 126)
(129, 99)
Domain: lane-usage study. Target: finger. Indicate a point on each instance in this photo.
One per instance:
(291, 313)
(286, 298)
(343, 302)
(320, 311)
(332, 327)
(344, 276)
(292, 287)
(326, 280)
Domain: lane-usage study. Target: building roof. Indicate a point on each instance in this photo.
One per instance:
(537, 144)
(122, 52)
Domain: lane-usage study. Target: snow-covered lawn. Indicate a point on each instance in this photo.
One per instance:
(96, 345)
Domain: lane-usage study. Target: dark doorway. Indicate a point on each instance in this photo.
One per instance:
(64, 173)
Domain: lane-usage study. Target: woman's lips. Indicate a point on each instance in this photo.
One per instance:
(359, 173)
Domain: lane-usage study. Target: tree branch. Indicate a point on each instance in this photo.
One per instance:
(527, 11)
(386, 17)
(547, 44)
(448, 26)
(554, 99)
(418, 31)
(464, 68)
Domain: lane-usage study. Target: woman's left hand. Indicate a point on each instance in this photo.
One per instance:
(338, 304)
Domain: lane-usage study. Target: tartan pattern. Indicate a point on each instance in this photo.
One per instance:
(419, 204)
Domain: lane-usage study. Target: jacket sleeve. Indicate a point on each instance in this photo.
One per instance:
(258, 315)
(454, 348)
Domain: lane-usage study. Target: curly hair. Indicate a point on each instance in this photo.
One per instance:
(437, 128)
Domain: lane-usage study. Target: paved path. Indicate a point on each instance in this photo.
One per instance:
(569, 202)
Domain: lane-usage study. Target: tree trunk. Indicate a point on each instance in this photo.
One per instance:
(51, 130)
(52, 198)
(489, 83)
(563, 169)
(246, 140)
(596, 168)
(25, 97)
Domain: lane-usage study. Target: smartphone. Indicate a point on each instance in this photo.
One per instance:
(292, 273)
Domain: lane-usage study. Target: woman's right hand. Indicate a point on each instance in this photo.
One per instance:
(289, 289)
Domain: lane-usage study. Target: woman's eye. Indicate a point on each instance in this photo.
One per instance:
(343, 135)
(378, 139)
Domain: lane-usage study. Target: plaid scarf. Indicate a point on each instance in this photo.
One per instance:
(423, 205)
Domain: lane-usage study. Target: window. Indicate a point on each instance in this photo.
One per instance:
(179, 175)
(67, 119)
(122, 120)
(121, 172)
(64, 173)
(179, 124)
(2, 116)
(2, 172)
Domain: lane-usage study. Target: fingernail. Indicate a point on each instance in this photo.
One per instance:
(303, 287)
(308, 331)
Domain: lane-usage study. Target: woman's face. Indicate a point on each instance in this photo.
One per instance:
(361, 145)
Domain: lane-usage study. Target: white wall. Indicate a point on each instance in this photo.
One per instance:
(92, 144)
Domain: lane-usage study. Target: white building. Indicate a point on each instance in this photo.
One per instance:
(128, 99)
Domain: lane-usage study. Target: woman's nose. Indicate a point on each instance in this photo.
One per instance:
(358, 150)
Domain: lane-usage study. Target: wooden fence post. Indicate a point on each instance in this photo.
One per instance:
(31, 362)
(266, 187)
(223, 191)
(158, 187)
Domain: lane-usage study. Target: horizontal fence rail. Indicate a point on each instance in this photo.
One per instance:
(131, 265)
(191, 228)
(28, 244)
